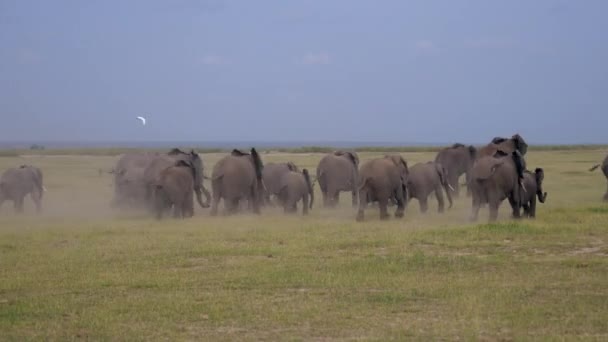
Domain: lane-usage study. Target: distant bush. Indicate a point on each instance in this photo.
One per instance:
(36, 147)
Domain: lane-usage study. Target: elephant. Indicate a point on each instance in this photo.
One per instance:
(272, 175)
(604, 166)
(533, 183)
(457, 159)
(16, 183)
(336, 172)
(380, 180)
(160, 162)
(495, 178)
(425, 178)
(507, 145)
(129, 185)
(237, 177)
(175, 187)
(296, 186)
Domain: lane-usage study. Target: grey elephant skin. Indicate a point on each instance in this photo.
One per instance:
(426, 178)
(175, 188)
(381, 179)
(296, 186)
(533, 185)
(16, 183)
(337, 172)
(272, 175)
(494, 179)
(604, 166)
(507, 145)
(457, 159)
(163, 161)
(129, 185)
(237, 177)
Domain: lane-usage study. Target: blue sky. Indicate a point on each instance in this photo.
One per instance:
(391, 70)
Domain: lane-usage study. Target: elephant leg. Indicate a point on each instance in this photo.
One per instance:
(305, 202)
(37, 198)
(440, 201)
(606, 195)
(494, 210)
(254, 200)
(526, 209)
(363, 195)
(355, 202)
(231, 205)
(515, 205)
(325, 199)
(177, 210)
(19, 205)
(532, 212)
(475, 209)
(424, 204)
(215, 202)
(400, 202)
(383, 204)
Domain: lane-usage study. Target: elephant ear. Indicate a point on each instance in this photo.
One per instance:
(520, 163)
(472, 151)
(238, 153)
(352, 157)
(175, 151)
(441, 172)
(499, 140)
(257, 163)
(520, 144)
(539, 175)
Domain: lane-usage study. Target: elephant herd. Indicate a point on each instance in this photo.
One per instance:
(164, 182)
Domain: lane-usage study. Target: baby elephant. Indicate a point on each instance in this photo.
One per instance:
(533, 187)
(426, 178)
(296, 186)
(175, 187)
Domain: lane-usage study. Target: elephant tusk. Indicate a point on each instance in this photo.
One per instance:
(43, 189)
(451, 187)
(523, 186)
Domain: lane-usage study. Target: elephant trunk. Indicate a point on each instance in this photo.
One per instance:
(199, 199)
(539, 176)
(448, 192)
(309, 186)
(594, 167)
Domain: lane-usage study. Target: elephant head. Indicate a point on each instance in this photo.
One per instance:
(310, 187)
(404, 172)
(520, 144)
(442, 172)
(539, 175)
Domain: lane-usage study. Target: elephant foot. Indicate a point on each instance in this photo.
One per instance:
(384, 217)
(360, 216)
(399, 214)
(441, 210)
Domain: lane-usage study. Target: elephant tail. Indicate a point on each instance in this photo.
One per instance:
(594, 167)
(309, 185)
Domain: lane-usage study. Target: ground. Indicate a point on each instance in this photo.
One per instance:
(81, 271)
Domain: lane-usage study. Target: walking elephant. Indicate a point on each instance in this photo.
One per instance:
(496, 178)
(296, 186)
(425, 178)
(533, 185)
(272, 175)
(507, 145)
(236, 177)
(457, 160)
(336, 172)
(16, 183)
(162, 161)
(129, 185)
(175, 188)
(381, 179)
(604, 166)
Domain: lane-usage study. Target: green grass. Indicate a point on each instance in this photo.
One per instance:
(82, 271)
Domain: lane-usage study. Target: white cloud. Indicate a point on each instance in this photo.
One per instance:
(320, 58)
(426, 47)
(213, 60)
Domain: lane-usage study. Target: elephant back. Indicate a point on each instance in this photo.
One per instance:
(340, 170)
(486, 166)
(273, 173)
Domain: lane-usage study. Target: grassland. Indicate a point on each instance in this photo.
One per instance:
(82, 271)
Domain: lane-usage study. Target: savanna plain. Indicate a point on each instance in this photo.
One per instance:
(80, 270)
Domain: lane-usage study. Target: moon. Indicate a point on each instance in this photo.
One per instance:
(143, 120)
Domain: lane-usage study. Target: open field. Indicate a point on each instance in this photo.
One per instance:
(82, 271)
